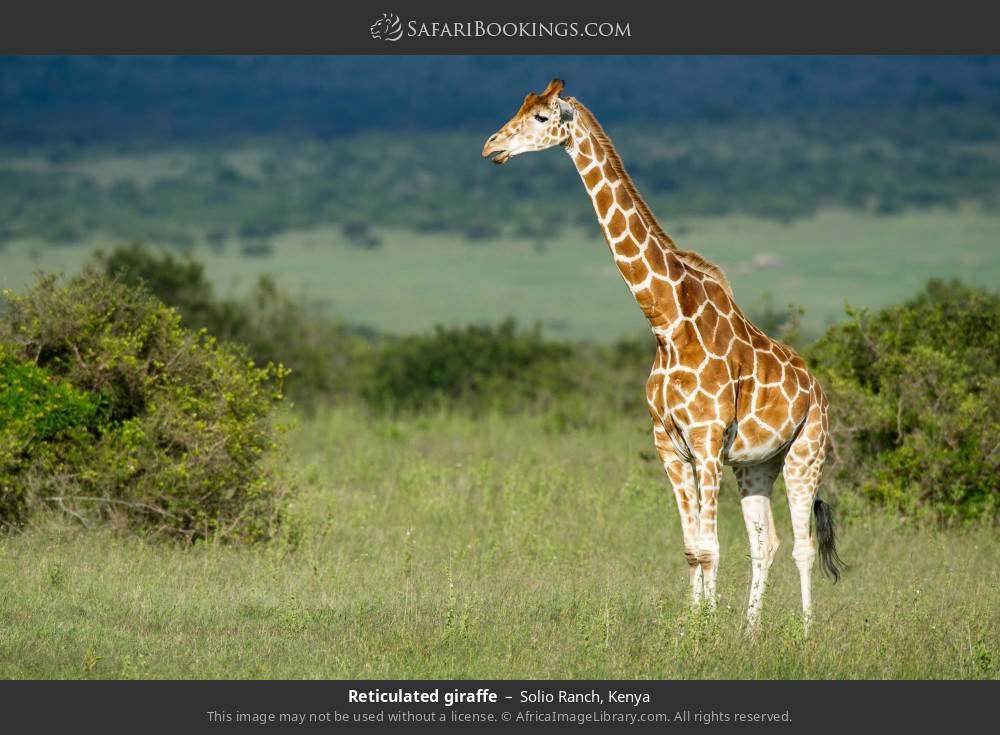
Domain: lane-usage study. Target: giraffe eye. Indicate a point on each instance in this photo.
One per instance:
(541, 118)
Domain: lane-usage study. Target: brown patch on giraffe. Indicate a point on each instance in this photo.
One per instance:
(583, 161)
(813, 430)
(768, 368)
(702, 408)
(717, 294)
(684, 382)
(623, 199)
(797, 362)
(592, 177)
(638, 272)
(714, 374)
(646, 300)
(675, 269)
(770, 406)
(663, 293)
(654, 256)
(690, 294)
(585, 147)
(637, 227)
(654, 393)
(616, 225)
(723, 336)
(740, 328)
(800, 404)
(753, 435)
(781, 351)
(691, 352)
(603, 199)
(741, 368)
(627, 247)
(802, 381)
(681, 415)
(707, 322)
(598, 149)
(744, 398)
(759, 341)
(738, 444)
(674, 396)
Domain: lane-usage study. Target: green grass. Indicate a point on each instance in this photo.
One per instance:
(416, 281)
(444, 547)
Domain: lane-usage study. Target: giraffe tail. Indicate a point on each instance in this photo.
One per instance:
(830, 560)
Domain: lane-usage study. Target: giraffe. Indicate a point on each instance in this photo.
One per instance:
(720, 391)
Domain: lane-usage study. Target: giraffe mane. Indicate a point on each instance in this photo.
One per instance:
(688, 257)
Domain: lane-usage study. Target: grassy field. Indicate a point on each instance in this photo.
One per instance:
(444, 547)
(416, 281)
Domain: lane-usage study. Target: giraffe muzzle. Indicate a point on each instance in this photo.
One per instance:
(495, 151)
(498, 157)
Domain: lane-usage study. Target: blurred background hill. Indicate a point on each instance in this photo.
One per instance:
(356, 182)
(88, 99)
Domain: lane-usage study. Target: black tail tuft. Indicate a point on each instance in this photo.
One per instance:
(829, 559)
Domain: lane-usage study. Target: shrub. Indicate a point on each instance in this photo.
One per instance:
(117, 411)
(40, 417)
(324, 357)
(472, 367)
(177, 281)
(915, 403)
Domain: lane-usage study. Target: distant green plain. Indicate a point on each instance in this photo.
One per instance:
(569, 284)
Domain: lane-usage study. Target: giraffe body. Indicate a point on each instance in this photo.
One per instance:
(720, 391)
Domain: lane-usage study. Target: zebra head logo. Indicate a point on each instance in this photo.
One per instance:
(387, 28)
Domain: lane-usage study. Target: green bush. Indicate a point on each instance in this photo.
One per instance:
(111, 409)
(40, 417)
(473, 367)
(504, 368)
(915, 403)
(323, 356)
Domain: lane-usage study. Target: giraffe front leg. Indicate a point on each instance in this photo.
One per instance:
(681, 477)
(706, 446)
(708, 534)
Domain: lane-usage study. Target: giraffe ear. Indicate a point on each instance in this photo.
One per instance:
(565, 110)
(554, 88)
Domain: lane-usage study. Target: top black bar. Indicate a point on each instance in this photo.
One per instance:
(450, 27)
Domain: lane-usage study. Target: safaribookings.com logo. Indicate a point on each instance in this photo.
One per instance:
(390, 28)
(387, 28)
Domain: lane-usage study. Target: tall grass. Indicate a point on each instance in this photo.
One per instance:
(439, 546)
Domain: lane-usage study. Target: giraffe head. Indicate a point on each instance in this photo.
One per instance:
(543, 121)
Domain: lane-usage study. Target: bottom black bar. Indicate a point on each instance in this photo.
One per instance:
(790, 706)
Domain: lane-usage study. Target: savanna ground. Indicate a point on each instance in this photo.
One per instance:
(440, 546)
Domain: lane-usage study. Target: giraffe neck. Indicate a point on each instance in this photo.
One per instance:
(636, 241)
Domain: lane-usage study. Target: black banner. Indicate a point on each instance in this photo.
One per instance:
(452, 27)
(685, 706)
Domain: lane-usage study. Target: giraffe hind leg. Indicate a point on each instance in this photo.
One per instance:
(756, 483)
(802, 471)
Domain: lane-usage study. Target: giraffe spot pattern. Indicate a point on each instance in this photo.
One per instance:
(713, 370)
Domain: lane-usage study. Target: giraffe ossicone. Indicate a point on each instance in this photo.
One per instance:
(720, 392)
